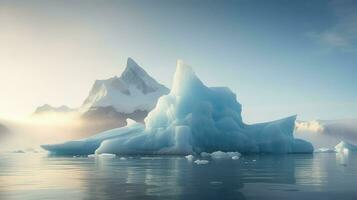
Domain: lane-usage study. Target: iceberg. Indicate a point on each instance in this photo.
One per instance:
(345, 146)
(327, 133)
(192, 119)
(201, 162)
(89, 145)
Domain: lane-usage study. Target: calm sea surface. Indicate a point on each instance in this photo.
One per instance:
(38, 176)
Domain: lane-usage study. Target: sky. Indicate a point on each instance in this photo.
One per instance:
(280, 57)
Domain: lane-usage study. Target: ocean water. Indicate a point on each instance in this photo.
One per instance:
(38, 176)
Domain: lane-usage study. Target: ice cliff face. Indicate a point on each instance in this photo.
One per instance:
(193, 118)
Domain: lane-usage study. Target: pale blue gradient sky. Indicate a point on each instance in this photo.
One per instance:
(280, 58)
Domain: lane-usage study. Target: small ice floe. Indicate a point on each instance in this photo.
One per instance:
(201, 162)
(122, 158)
(235, 157)
(224, 155)
(189, 157)
(205, 154)
(92, 156)
(325, 150)
(254, 160)
(107, 155)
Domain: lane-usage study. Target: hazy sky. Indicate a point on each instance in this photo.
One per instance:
(280, 57)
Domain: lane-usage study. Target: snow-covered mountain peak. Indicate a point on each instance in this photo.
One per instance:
(134, 90)
(137, 76)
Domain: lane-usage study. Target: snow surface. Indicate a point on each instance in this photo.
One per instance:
(193, 118)
(133, 90)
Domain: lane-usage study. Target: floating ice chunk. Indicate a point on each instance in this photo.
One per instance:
(224, 155)
(189, 157)
(235, 157)
(201, 162)
(92, 156)
(122, 158)
(106, 155)
(325, 150)
(345, 146)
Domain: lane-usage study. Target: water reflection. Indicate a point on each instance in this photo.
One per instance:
(32, 176)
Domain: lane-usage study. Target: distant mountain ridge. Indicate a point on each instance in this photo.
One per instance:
(46, 108)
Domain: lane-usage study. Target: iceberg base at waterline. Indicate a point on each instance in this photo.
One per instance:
(191, 119)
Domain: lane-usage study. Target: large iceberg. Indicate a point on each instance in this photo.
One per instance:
(192, 118)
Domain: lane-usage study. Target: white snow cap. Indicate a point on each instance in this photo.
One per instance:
(134, 90)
